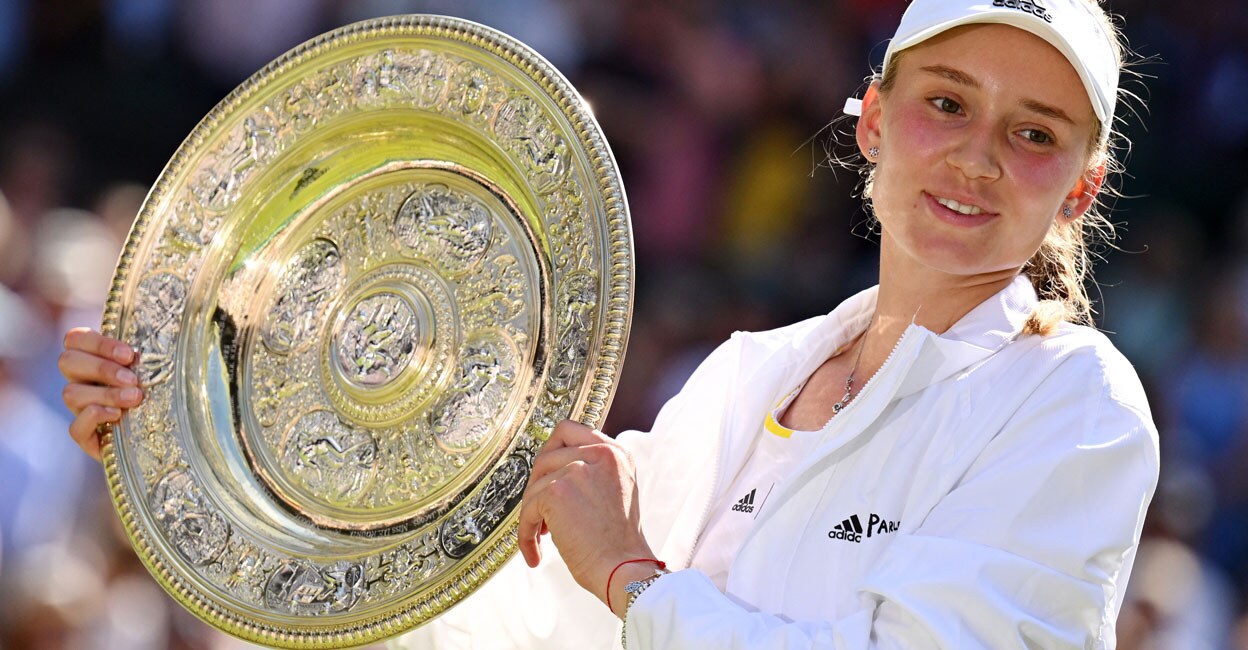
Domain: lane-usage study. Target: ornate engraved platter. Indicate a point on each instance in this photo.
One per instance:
(363, 291)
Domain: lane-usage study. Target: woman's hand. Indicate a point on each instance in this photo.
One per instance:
(100, 384)
(583, 490)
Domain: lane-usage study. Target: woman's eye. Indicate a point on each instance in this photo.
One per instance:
(946, 105)
(1037, 136)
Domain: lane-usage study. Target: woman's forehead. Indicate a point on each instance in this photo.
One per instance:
(1001, 58)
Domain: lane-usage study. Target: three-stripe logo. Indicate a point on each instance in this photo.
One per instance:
(849, 530)
(746, 504)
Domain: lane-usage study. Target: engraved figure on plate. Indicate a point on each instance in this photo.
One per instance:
(433, 71)
(571, 240)
(256, 145)
(223, 173)
(333, 462)
(193, 525)
(303, 105)
(578, 299)
(188, 232)
(381, 78)
(274, 385)
(495, 294)
(468, 526)
(376, 341)
(309, 282)
(540, 149)
(161, 300)
(473, 92)
(305, 589)
(416, 561)
(362, 229)
(443, 226)
(469, 412)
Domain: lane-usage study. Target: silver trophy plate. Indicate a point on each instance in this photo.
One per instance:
(363, 291)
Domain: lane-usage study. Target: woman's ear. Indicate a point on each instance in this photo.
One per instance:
(1083, 195)
(868, 130)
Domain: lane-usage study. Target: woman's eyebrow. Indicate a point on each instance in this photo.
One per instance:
(1046, 110)
(952, 74)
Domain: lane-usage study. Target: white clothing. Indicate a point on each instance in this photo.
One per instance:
(1003, 478)
(777, 450)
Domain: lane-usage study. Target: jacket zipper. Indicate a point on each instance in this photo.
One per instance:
(710, 501)
(871, 381)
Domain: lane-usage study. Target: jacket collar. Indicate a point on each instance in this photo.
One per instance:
(997, 320)
(981, 332)
(975, 337)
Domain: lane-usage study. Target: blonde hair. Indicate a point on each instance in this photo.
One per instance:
(1060, 270)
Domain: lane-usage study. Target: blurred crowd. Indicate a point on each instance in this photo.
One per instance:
(722, 115)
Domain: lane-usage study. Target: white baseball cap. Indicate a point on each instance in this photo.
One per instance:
(1071, 26)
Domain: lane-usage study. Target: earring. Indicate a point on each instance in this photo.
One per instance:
(1067, 211)
(873, 153)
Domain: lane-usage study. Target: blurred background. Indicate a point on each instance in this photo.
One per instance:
(718, 112)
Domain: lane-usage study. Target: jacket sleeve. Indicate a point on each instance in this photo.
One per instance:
(1044, 569)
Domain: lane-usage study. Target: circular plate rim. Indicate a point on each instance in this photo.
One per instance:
(601, 375)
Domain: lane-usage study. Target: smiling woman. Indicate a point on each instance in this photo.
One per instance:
(990, 149)
(951, 459)
(1060, 265)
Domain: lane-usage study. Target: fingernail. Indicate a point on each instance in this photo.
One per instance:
(122, 354)
(112, 414)
(130, 394)
(126, 377)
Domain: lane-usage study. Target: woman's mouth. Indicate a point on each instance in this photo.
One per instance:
(954, 211)
(958, 207)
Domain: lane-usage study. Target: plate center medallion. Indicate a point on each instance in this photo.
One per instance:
(377, 340)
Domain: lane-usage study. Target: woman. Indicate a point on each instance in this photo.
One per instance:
(949, 459)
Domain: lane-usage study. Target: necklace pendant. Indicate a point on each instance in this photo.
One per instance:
(849, 381)
(840, 406)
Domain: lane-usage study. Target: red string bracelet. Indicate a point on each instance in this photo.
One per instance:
(662, 567)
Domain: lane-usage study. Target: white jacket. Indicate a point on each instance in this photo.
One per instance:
(1011, 473)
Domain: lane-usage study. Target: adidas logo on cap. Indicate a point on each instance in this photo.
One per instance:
(1033, 7)
(746, 504)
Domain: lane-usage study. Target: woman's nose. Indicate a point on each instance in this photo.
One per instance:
(975, 155)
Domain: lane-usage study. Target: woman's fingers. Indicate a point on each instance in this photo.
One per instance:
(94, 380)
(571, 445)
(100, 386)
(88, 340)
(550, 460)
(531, 524)
(570, 433)
(532, 520)
(82, 366)
(79, 396)
(84, 428)
(564, 447)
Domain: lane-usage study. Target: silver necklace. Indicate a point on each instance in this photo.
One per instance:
(849, 381)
